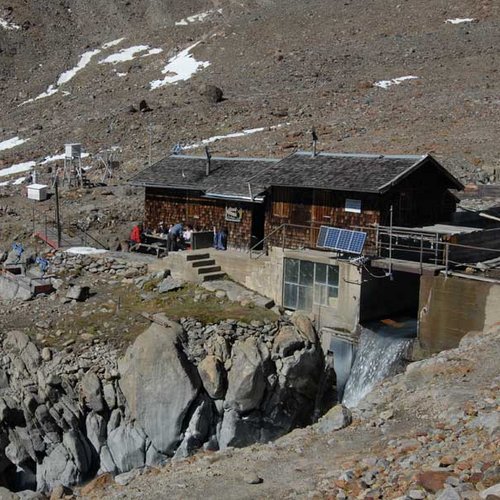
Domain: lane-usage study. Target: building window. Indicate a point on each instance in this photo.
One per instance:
(307, 283)
(353, 206)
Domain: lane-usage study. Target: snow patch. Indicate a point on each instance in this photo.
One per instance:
(17, 168)
(129, 54)
(152, 52)
(8, 25)
(112, 43)
(84, 60)
(18, 181)
(197, 17)
(66, 76)
(12, 143)
(85, 251)
(395, 81)
(232, 135)
(49, 159)
(181, 67)
(121, 75)
(460, 20)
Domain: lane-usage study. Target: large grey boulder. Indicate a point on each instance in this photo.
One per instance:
(159, 384)
(127, 447)
(302, 371)
(287, 342)
(11, 289)
(335, 419)
(57, 467)
(237, 431)
(213, 376)
(96, 430)
(246, 379)
(198, 428)
(5, 494)
(91, 390)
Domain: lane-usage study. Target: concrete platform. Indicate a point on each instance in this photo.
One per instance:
(408, 266)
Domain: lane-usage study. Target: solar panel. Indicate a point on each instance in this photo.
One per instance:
(322, 236)
(332, 237)
(343, 240)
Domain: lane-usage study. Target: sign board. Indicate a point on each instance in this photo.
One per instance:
(234, 214)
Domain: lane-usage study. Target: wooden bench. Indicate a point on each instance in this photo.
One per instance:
(159, 250)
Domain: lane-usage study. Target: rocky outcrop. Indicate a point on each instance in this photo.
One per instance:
(159, 384)
(179, 387)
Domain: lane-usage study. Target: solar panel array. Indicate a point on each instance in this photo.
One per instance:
(342, 240)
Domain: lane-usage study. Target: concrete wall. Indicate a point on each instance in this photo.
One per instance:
(452, 306)
(263, 275)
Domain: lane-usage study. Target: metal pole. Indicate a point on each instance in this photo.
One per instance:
(390, 240)
(150, 132)
(58, 220)
(446, 257)
(421, 251)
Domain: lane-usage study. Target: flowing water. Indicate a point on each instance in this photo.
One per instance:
(379, 355)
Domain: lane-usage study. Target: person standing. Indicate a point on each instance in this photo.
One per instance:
(174, 237)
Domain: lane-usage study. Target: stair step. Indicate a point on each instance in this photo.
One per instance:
(213, 276)
(208, 269)
(197, 256)
(203, 263)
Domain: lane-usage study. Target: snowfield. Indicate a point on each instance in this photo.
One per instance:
(233, 135)
(17, 168)
(130, 54)
(85, 58)
(112, 43)
(12, 143)
(459, 20)
(179, 68)
(197, 18)
(8, 26)
(85, 251)
(66, 76)
(383, 84)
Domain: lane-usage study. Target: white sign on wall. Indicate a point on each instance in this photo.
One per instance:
(234, 214)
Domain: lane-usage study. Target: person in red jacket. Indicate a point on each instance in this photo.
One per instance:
(136, 234)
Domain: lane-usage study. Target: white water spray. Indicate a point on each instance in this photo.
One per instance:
(379, 356)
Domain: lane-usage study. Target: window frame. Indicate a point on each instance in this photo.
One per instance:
(322, 289)
(348, 205)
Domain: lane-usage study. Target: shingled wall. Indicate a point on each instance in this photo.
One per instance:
(312, 208)
(202, 213)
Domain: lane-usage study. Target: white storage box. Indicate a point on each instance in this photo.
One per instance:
(37, 192)
(73, 150)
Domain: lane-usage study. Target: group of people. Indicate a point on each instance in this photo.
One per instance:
(178, 236)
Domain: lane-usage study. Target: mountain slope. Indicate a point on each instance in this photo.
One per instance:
(290, 62)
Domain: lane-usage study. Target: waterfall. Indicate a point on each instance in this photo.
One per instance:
(379, 355)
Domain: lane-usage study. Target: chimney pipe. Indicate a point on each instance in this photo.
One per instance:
(207, 152)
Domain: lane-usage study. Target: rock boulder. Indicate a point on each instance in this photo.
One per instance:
(159, 384)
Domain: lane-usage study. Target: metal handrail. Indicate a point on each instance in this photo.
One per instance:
(273, 232)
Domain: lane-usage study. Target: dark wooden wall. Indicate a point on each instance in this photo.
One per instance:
(420, 199)
(313, 208)
(171, 207)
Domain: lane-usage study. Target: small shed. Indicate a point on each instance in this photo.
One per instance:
(37, 192)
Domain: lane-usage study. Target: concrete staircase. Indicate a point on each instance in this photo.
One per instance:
(204, 266)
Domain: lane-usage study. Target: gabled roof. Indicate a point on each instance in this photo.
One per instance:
(247, 178)
(228, 178)
(348, 172)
